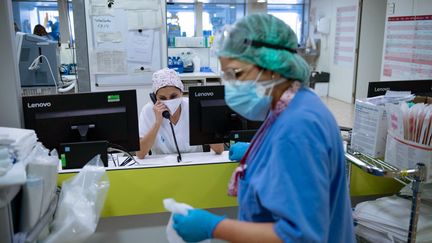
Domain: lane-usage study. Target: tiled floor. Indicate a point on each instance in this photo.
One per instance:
(343, 112)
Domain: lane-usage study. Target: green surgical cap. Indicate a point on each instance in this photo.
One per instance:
(275, 52)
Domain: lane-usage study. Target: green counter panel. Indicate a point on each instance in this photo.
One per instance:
(141, 190)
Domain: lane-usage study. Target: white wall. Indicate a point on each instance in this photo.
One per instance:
(341, 84)
(370, 45)
(323, 8)
(10, 97)
(345, 80)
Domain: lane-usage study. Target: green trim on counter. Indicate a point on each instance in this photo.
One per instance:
(141, 190)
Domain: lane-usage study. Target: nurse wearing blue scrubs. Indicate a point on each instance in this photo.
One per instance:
(291, 183)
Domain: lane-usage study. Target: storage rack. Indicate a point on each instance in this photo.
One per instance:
(380, 168)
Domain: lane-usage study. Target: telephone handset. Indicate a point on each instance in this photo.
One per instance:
(165, 114)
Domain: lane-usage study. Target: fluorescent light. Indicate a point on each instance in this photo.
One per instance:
(232, 6)
(261, 1)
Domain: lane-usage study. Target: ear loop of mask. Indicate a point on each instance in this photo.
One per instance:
(264, 85)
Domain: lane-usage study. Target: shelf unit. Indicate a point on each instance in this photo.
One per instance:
(199, 79)
(380, 168)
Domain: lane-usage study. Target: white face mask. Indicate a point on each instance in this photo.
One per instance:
(172, 105)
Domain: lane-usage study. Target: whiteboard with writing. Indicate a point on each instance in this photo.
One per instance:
(125, 45)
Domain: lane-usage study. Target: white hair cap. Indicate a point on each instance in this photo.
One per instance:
(166, 77)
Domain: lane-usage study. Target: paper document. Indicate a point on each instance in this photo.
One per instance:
(140, 4)
(98, 2)
(103, 24)
(144, 19)
(111, 62)
(101, 11)
(140, 46)
(109, 37)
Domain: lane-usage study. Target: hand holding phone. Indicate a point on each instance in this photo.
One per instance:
(159, 106)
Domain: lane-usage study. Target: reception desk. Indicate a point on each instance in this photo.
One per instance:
(200, 180)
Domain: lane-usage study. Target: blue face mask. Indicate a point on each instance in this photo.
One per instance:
(250, 99)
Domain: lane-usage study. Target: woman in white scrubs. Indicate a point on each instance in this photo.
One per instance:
(155, 131)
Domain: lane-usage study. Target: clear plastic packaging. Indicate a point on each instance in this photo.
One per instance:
(81, 201)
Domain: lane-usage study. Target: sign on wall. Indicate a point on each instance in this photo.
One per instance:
(408, 48)
(345, 35)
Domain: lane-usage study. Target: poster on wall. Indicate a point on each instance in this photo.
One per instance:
(345, 35)
(408, 48)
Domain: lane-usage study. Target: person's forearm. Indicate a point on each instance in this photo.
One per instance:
(147, 141)
(218, 147)
(238, 232)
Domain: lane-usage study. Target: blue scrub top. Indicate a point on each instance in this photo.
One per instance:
(297, 177)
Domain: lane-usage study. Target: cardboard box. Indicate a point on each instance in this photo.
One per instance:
(369, 129)
(405, 154)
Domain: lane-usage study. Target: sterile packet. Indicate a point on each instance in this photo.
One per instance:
(175, 207)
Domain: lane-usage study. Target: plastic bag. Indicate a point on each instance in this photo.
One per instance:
(5, 161)
(81, 201)
(175, 207)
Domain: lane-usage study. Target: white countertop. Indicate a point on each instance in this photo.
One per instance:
(165, 160)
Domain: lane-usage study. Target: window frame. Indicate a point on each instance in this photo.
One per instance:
(302, 12)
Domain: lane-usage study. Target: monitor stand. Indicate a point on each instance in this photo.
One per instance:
(83, 130)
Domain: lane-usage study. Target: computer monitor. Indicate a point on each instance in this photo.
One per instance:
(212, 121)
(417, 87)
(84, 117)
(31, 46)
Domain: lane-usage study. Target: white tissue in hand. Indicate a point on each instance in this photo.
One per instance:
(175, 207)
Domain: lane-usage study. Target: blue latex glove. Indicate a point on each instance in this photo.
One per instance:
(237, 150)
(197, 225)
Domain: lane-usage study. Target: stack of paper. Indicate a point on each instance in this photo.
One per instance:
(20, 142)
(387, 220)
(412, 123)
(390, 97)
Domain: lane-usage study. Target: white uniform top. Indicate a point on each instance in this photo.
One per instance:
(164, 142)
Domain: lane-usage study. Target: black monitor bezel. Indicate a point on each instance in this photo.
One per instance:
(417, 87)
(232, 120)
(62, 104)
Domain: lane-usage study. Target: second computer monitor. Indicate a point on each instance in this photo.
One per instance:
(30, 47)
(211, 120)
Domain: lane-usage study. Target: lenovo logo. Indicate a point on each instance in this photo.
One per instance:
(203, 94)
(381, 89)
(39, 105)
